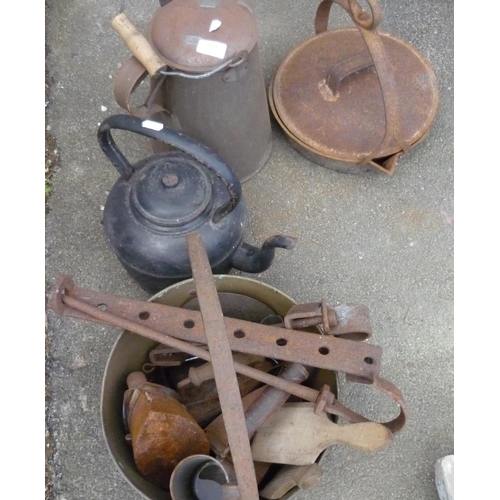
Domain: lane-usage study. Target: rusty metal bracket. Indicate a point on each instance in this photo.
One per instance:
(63, 302)
(236, 72)
(226, 381)
(309, 349)
(349, 321)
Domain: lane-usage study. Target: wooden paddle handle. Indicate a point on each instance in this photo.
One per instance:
(367, 436)
(138, 44)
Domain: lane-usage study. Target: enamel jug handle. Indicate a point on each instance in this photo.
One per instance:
(180, 141)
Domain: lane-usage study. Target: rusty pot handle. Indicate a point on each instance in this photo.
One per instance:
(131, 74)
(366, 24)
(355, 11)
(135, 70)
(346, 67)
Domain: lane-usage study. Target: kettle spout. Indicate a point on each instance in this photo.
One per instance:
(250, 259)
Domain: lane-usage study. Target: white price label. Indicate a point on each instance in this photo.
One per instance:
(152, 125)
(211, 48)
(214, 25)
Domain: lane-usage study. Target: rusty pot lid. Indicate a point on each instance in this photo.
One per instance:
(196, 35)
(340, 113)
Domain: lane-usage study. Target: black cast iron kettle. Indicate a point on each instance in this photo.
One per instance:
(157, 201)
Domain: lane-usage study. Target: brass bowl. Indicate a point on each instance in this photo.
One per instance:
(240, 297)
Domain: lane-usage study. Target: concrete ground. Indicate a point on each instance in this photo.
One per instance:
(386, 242)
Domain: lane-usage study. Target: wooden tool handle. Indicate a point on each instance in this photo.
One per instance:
(367, 436)
(138, 44)
(198, 375)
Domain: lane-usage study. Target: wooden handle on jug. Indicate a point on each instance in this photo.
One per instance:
(138, 44)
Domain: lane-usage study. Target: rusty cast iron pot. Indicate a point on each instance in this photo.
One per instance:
(242, 298)
(354, 100)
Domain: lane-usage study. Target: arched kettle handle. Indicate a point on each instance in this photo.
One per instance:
(180, 141)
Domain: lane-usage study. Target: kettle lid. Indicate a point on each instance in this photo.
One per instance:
(171, 190)
(196, 35)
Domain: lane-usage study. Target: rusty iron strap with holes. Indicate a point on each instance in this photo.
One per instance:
(64, 302)
(225, 376)
(321, 351)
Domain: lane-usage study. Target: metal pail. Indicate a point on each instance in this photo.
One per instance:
(240, 297)
(213, 90)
